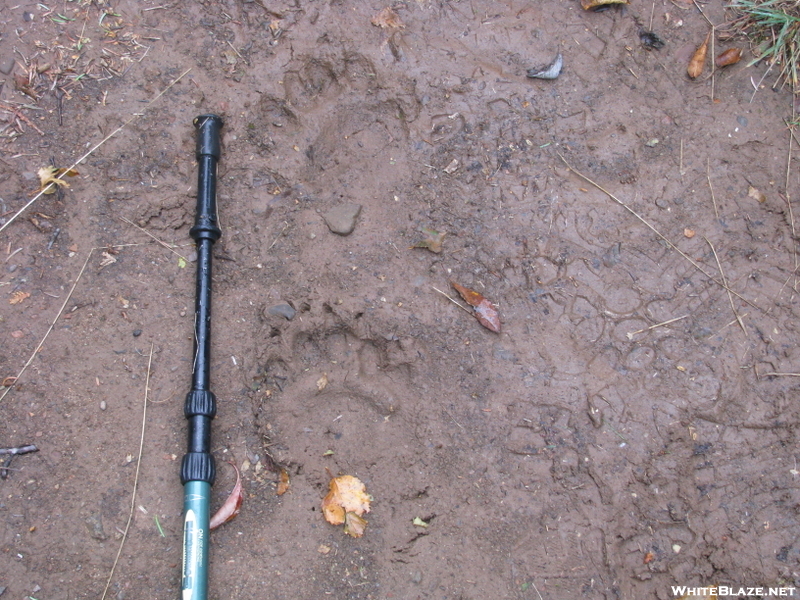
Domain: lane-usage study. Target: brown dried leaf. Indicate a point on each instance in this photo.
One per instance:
(49, 177)
(322, 382)
(756, 194)
(387, 18)
(485, 311)
(731, 56)
(649, 557)
(231, 506)
(8, 382)
(283, 482)
(698, 62)
(354, 525)
(18, 297)
(347, 494)
(432, 240)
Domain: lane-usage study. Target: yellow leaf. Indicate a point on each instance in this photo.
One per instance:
(18, 297)
(49, 178)
(347, 494)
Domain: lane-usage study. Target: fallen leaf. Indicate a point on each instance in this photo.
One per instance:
(697, 64)
(283, 482)
(347, 494)
(107, 259)
(689, 233)
(731, 56)
(485, 311)
(181, 262)
(8, 382)
(49, 177)
(419, 522)
(354, 525)
(322, 382)
(323, 549)
(387, 18)
(756, 194)
(231, 506)
(18, 297)
(649, 557)
(432, 240)
(327, 453)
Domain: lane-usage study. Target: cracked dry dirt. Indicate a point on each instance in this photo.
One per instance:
(566, 457)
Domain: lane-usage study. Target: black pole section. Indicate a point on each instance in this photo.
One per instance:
(200, 406)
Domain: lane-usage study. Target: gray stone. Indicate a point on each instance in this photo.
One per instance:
(6, 66)
(342, 219)
(282, 310)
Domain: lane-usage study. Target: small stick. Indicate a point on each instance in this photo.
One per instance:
(666, 240)
(776, 374)
(788, 197)
(711, 187)
(19, 450)
(136, 476)
(285, 225)
(652, 14)
(165, 244)
(21, 116)
(458, 304)
(730, 296)
(633, 333)
(96, 146)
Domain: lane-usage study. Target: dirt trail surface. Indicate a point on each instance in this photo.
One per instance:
(582, 452)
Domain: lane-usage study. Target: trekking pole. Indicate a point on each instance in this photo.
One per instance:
(197, 469)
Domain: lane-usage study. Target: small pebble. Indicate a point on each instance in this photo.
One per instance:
(137, 332)
(102, 405)
(282, 310)
(342, 219)
(6, 66)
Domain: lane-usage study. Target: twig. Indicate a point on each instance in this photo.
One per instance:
(19, 450)
(633, 333)
(458, 304)
(776, 374)
(135, 477)
(96, 146)
(711, 187)
(730, 296)
(666, 240)
(161, 242)
(788, 196)
(285, 225)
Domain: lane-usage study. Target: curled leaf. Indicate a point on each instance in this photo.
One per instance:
(347, 494)
(484, 310)
(283, 482)
(322, 382)
(697, 64)
(432, 240)
(49, 178)
(231, 506)
(730, 57)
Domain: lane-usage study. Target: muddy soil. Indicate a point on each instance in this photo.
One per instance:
(633, 425)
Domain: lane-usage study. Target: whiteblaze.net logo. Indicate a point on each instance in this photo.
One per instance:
(720, 591)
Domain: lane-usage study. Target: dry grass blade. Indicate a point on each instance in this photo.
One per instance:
(161, 242)
(725, 281)
(136, 476)
(774, 27)
(665, 239)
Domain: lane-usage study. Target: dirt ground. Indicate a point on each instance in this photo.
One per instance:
(586, 451)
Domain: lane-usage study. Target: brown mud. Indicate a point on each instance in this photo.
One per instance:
(580, 453)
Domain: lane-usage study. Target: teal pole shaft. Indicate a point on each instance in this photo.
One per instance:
(195, 540)
(197, 468)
